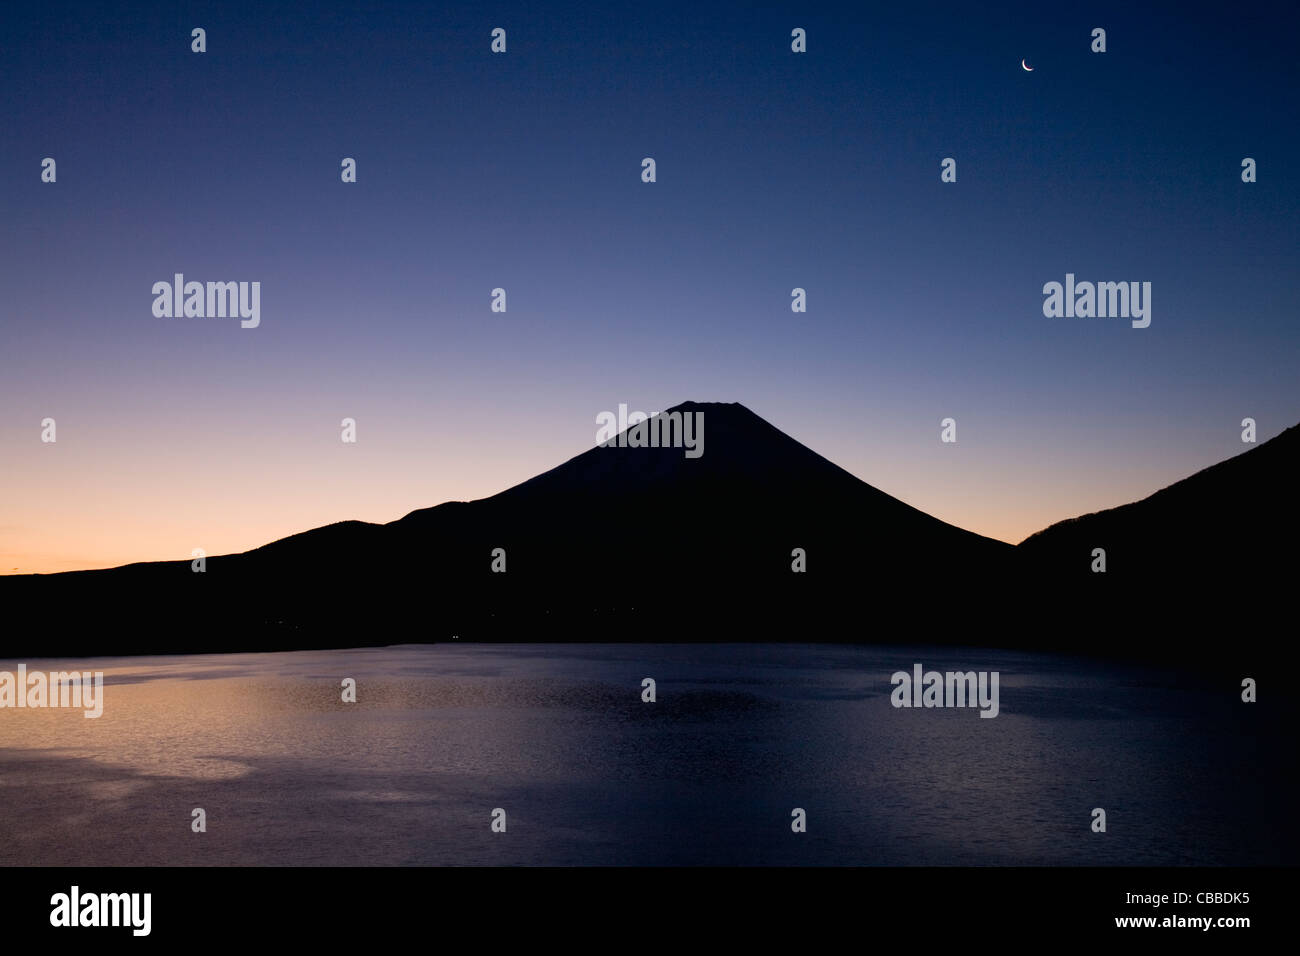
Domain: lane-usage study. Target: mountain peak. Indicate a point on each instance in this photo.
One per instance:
(732, 451)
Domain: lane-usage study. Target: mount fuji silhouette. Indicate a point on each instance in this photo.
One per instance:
(628, 543)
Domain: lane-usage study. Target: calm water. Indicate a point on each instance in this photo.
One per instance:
(588, 774)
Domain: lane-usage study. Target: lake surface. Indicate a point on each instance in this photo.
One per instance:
(558, 737)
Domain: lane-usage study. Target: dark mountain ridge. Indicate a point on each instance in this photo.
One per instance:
(1237, 518)
(624, 543)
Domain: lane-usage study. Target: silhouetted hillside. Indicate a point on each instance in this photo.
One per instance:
(617, 543)
(648, 544)
(1235, 520)
(1197, 568)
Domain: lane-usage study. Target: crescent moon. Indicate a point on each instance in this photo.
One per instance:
(1027, 67)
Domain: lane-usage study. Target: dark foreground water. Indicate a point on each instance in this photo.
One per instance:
(558, 737)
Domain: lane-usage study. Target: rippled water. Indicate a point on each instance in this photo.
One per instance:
(557, 735)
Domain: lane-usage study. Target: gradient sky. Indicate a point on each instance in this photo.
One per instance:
(522, 171)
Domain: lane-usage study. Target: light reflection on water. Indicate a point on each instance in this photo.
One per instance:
(588, 774)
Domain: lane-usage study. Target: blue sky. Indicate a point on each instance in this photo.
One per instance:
(775, 170)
